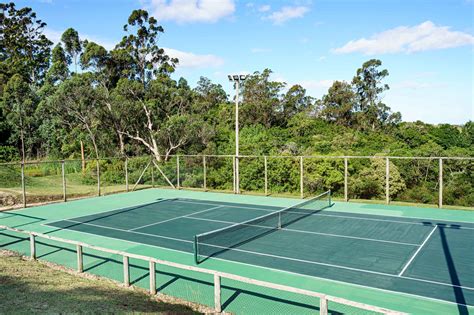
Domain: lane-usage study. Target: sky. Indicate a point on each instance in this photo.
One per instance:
(426, 45)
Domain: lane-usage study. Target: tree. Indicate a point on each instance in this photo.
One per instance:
(295, 101)
(146, 58)
(367, 83)
(73, 46)
(58, 71)
(338, 105)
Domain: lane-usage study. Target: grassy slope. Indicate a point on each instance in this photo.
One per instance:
(33, 287)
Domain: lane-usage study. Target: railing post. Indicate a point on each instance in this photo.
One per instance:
(126, 271)
(98, 177)
(23, 188)
(265, 162)
(387, 180)
(63, 174)
(178, 185)
(346, 192)
(233, 174)
(301, 178)
(323, 306)
(80, 264)
(204, 172)
(440, 197)
(237, 175)
(217, 293)
(126, 174)
(152, 278)
(152, 176)
(32, 246)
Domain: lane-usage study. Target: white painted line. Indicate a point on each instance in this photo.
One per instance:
(175, 218)
(417, 251)
(309, 232)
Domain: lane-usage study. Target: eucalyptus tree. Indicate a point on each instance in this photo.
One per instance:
(338, 105)
(72, 46)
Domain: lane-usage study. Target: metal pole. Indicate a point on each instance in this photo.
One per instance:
(152, 177)
(233, 174)
(23, 188)
(205, 172)
(63, 173)
(237, 177)
(177, 172)
(301, 178)
(80, 264)
(440, 200)
(345, 180)
(217, 293)
(387, 180)
(32, 247)
(265, 162)
(98, 177)
(323, 306)
(126, 174)
(126, 272)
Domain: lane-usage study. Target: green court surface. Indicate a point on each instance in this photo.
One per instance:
(415, 260)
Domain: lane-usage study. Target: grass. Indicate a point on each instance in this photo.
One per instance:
(29, 287)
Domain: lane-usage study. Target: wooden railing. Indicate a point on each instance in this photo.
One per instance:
(323, 298)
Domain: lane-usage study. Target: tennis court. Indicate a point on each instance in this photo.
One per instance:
(427, 258)
(414, 257)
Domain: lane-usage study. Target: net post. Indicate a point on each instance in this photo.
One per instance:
(178, 185)
(387, 180)
(23, 188)
(126, 271)
(196, 254)
(345, 180)
(32, 247)
(204, 172)
(440, 194)
(330, 197)
(279, 220)
(323, 305)
(98, 176)
(63, 175)
(301, 178)
(265, 163)
(126, 174)
(152, 278)
(80, 264)
(217, 293)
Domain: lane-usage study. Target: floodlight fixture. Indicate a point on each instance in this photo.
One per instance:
(235, 77)
(243, 77)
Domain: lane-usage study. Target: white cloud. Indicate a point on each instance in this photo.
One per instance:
(287, 13)
(425, 36)
(191, 60)
(264, 8)
(183, 11)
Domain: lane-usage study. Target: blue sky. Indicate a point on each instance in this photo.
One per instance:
(427, 45)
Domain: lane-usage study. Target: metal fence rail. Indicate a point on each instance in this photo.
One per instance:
(236, 177)
(323, 298)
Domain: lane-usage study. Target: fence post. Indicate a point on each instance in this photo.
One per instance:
(63, 174)
(126, 271)
(345, 180)
(98, 177)
(80, 265)
(440, 200)
(152, 176)
(152, 278)
(32, 246)
(323, 306)
(205, 172)
(237, 175)
(126, 173)
(178, 185)
(217, 293)
(265, 162)
(387, 180)
(301, 178)
(23, 188)
(233, 174)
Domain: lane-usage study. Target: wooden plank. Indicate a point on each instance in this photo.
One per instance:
(80, 263)
(152, 278)
(126, 271)
(217, 294)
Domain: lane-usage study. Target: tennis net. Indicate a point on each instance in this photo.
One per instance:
(214, 242)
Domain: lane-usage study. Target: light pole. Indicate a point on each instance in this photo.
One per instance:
(237, 79)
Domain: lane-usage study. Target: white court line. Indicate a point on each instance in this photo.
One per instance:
(417, 251)
(285, 271)
(345, 216)
(175, 218)
(309, 232)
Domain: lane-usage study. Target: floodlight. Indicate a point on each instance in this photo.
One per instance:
(230, 77)
(243, 77)
(236, 77)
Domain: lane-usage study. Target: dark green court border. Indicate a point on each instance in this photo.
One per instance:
(31, 219)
